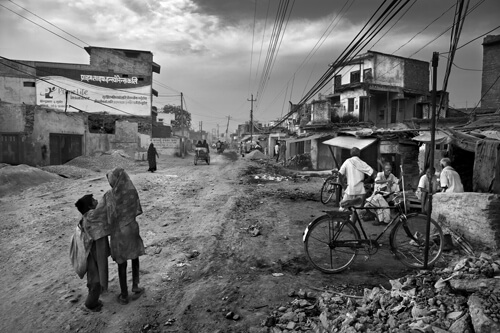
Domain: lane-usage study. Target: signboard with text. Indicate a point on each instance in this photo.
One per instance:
(94, 92)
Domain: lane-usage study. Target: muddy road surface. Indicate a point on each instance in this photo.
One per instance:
(202, 259)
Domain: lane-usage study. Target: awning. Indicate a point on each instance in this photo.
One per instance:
(306, 138)
(348, 142)
(425, 137)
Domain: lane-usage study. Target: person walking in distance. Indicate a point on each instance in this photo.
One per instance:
(450, 179)
(277, 151)
(152, 155)
(282, 154)
(354, 170)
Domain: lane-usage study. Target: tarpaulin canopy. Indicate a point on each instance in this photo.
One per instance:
(425, 137)
(348, 142)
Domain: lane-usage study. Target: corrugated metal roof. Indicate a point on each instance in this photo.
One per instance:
(348, 142)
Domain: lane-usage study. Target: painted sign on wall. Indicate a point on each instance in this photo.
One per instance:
(95, 93)
(166, 143)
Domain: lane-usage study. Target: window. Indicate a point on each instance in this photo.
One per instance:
(350, 104)
(28, 84)
(367, 75)
(337, 81)
(355, 77)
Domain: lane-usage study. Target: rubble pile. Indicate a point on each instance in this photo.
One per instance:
(460, 298)
(103, 161)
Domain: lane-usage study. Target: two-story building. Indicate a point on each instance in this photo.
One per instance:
(381, 88)
(52, 112)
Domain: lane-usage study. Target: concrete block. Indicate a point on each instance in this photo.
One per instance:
(474, 215)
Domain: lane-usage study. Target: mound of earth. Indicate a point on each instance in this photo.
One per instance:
(69, 171)
(104, 162)
(19, 177)
(256, 155)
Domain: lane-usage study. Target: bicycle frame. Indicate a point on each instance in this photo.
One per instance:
(357, 220)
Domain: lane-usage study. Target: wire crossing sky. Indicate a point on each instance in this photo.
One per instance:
(215, 51)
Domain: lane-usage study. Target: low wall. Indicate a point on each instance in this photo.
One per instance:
(167, 146)
(474, 215)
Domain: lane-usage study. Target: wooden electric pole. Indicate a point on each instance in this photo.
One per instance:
(251, 116)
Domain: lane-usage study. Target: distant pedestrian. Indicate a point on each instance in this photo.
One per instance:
(152, 155)
(277, 151)
(449, 178)
(282, 153)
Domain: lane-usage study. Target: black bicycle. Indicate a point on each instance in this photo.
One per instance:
(332, 241)
(332, 188)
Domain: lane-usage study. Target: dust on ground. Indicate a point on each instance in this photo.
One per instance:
(201, 259)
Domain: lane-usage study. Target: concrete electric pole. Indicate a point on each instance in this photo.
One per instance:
(251, 116)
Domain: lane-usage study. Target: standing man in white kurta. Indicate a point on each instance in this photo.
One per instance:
(355, 169)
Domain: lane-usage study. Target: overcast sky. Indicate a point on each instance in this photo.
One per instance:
(204, 47)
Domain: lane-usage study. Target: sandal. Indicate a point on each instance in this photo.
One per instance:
(97, 308)
(122, 300)
(137, 289)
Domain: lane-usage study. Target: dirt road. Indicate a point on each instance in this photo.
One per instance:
(201, 260)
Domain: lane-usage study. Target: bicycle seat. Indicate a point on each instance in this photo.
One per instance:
(351, 203)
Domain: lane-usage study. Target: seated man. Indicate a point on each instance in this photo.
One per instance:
(385, 185)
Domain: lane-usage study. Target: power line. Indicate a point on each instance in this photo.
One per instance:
(251, 52)
(41, 18)
(42, 27)
(65, 89)
(315, 48)
(354, 47)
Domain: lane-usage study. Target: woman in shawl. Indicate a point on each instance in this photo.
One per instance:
(152, 155)
(122, 205)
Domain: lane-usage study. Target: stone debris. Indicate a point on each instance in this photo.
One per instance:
(254, 230)
(461, 298)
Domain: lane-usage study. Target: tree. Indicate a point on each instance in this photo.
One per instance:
(182, 117)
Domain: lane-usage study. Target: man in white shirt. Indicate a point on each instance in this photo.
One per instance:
(449, 179)
(355, 169)
(385, 183)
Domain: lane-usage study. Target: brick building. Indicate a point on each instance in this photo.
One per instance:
(490, 87)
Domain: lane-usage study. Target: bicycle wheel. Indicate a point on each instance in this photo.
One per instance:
(407, 240)
(329, 190)
(322, 249)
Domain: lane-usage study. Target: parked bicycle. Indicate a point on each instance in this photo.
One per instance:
(332, 241)
(332, 188)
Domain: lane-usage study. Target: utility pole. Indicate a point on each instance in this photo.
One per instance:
(435, 60)
(183, 123)
(227, 127)
(251, 116)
